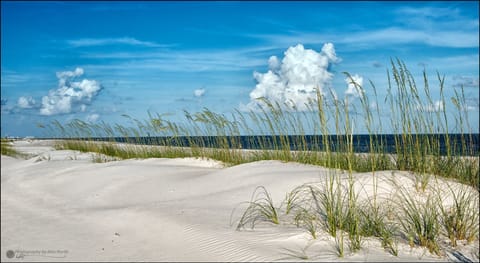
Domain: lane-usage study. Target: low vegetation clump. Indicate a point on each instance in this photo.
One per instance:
(420, 222)
(7, 148)
(460, 220)
(260, 209)
(423, 220)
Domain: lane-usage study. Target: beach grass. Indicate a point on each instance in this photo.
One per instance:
(460, 220)
(420, 221)
(7, 148)
(277, 131)
(423, 219)
(260, 209)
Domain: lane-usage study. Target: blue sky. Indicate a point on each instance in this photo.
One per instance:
(98, 60)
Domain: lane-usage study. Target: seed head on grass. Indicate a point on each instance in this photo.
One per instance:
(260, 209)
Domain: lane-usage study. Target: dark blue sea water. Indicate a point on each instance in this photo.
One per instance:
(464, 144)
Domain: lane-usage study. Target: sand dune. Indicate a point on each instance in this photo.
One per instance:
(161, 210)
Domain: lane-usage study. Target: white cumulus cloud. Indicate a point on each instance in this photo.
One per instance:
(329, 50)
(26, 102)
(355, 86)
(432, 107)
(199, 92)
(293, 81)
(92, 117)
(70, 94)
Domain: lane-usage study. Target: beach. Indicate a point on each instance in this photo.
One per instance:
(58, 205)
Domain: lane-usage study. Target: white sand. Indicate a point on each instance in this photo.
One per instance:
(162, 210)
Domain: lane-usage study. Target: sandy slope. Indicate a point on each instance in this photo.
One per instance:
(157, 210)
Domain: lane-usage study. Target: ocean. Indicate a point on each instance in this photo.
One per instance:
(463, 144)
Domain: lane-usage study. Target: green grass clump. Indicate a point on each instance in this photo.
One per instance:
(7, 148)
(293, 199)
(304, 218)
(460, 220)
(260, 209)
(330, 203)
(420, 221)
(374, 222)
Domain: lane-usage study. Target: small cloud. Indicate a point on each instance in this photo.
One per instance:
(5, 109)
(273, 63)
(26, 102)
(12, 77)
(70, 95)
(432, 107)
(199, 93)
(183, 100)
(355, 84)
(92, 117)
(329, 50)
(473, 104)
(65, 75)
(471, 108)
(377, 64)
(465, 81)
(88, 42)
(422, 64)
